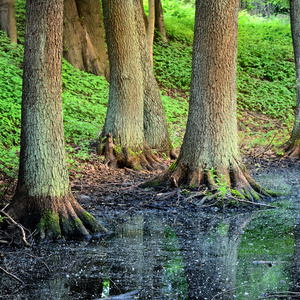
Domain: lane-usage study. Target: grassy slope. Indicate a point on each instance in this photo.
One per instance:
(266, 85)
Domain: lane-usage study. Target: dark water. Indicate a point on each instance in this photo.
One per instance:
(161, 255)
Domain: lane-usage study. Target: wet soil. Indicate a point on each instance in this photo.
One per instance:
(112, 196)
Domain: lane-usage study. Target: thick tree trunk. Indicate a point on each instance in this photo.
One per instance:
(155, 124)
(210, 148)
(84, 44)
(43, 199)
(8, 20)
(150, 29)
(293, 148)
(159, 21)
(125, 111)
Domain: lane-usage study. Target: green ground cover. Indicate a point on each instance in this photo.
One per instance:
(266, 85)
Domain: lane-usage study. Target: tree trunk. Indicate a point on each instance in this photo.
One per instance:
(155, 124)
(143, 14)
(210, 148)
(159, 21)
(293, 148)
(150, 33)
(125, 111)
(43, 199)
(84, 44)
(8, 20)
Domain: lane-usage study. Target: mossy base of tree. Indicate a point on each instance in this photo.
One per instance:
(52, 218)
(234, 180)
(120, 157)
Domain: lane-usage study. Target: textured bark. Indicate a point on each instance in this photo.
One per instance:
(145, 18)
(150, 29)
(155, 124)
(8, 20)
(159, 21)
(210, 145)
(293, 148)
(124, 118)
(84, 44)
(125, 111)
(43, 199)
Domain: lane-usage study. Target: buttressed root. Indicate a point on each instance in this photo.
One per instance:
(236, 179)
(119, 157)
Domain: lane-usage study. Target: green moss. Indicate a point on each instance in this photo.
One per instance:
(92, 222)
(49, 225)
(236, 193)
(136, 167)
(173, 165)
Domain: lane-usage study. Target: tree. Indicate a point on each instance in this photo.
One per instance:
(155, 124)
(132, 84)
(293, 148)
(83, 36)
(150, 28)
(43, 199)
(159, 21)
(210, 148)
(8, 20)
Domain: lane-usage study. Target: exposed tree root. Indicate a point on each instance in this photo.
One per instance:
(292, 151)
(121, 157)
(52, 218)
(234, 180)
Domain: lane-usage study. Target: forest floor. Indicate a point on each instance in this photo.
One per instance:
(111, 195)
(107, 192)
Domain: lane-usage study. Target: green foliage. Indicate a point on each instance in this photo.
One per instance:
(20, 19)
(179, 17)
(266, 75)
(10, 104)
(173, 65)
(85, 99)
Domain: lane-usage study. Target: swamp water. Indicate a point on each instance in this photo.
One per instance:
(167, 255)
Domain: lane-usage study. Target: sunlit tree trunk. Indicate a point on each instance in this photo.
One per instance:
(124, 118)
(210, 145)
(132, 84)
(159, 21)
(84, 44)
(155, 124)
(293, 148)
(8, 20)
(150, 32)
(43, 199)
(145, 18)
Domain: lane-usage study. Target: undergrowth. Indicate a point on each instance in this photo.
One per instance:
(266, 85)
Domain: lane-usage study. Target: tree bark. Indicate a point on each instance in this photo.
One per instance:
(145, 18)
(150, 33)
(43, 199)
(129, 71)
(84, 44)
(210, 148)
(155, 124)
(293, 148)
(159, 21)
(8, 20)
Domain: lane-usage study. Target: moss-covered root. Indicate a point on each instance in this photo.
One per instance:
(141, 159)
(52, 218)
(236, 178)
(70, 221)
